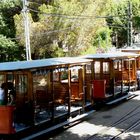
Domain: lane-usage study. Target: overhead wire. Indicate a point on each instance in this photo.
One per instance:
(33, 2)
(117, 26)
(55, 31)
(74, 18)
(62, 15)
(47, 32)
(80, 16)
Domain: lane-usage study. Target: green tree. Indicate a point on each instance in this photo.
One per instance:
(136, 14)
(102, 38)
(8, 9)
(64, 27)
(119, 23)
(8, 49)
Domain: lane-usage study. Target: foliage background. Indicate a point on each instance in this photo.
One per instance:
(65, 27)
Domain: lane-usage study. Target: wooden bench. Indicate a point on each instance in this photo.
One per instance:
(43, 100)
(60, 93)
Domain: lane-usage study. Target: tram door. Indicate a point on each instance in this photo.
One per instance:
(21, 89)
(18, 83)
(102, 78)
(24, 107)
(77, 93)
(88, 86)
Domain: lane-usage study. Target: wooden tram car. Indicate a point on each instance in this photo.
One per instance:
(113, 76)
(48, 91)
(134, 50)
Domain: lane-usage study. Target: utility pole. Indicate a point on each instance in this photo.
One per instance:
(116, 39)
(26, 30)
(129, 30)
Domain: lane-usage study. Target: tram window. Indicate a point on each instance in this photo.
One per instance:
(64, 75)
(97, 67)
(105, 67)
(10, 78)
(2, 79)
(115, 65)
(22, 84)
(118, 65)
(88, 68)
(56, 75)
(131, 64)
(74, 74)
(40, 77)
(128, 64)
(39, 81)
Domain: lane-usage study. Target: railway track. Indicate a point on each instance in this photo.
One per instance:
(124, 125)
(130, 128)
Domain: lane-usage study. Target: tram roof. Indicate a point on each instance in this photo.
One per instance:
(111, 55)
(50, 62)
(137, 50)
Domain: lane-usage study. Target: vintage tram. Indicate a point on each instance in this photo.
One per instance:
(133, 50)
(113, 76)
(47, 93)
(50, 93)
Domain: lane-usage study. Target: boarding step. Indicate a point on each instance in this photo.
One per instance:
(69, 121)
(128, 96)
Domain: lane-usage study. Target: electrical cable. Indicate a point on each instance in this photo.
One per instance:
(74, 16)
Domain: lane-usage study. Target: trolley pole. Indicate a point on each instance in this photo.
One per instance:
(129, 30)
(26, 30)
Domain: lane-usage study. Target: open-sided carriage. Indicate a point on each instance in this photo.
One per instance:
(113, 76)
(48, 91)
(134, 50)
